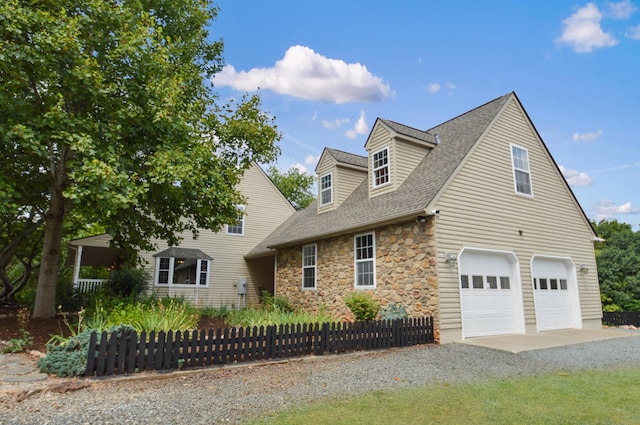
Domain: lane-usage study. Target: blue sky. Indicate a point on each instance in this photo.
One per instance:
(326, 70)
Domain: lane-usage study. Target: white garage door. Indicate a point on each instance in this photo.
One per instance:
(554, 292)
(488, 290)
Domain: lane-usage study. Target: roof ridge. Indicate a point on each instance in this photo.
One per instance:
(469, 111)
(348, 153)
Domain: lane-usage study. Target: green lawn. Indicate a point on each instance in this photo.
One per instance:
(608, 397)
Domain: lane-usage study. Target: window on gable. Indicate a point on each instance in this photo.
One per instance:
(182, 271)
(326, 189)
(238, 227)
(365, 265)
(381, 167)
(309, 266)
(521, 172)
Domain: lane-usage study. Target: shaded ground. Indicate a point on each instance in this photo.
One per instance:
(42, 329)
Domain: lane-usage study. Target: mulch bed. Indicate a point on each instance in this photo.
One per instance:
(42, 329)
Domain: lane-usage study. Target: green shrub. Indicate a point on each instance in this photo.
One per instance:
(271, 303)
(127, 283)
(69, 357)
(362, 306)
(393, 311)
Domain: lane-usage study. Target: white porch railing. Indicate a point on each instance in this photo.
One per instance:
(88, 285)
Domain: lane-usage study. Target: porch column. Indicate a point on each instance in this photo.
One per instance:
(76, 266)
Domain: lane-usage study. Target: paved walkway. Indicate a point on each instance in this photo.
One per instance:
(19, 368)
(517, 343)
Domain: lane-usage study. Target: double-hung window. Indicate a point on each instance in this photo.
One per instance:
(381, 167)
(237, 228)
(309, 266)
(326, 189)
(521, 171)
(365, 262)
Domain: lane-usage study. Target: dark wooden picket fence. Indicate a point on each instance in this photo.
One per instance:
(618, 318)
(129, 352)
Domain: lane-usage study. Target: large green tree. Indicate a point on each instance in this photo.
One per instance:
(107, 112)
(295, 185)
(618, 259)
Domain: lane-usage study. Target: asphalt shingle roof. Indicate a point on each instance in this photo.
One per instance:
(348, 158)
(178, 252)
(359, 212)
(405, 130)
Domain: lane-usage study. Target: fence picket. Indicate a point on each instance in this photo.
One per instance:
(111, 354)
(91, 358)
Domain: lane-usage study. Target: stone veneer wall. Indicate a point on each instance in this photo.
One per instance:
(406, 272)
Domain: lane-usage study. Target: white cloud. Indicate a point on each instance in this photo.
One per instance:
(582, 30)
(606, 209)
(436, 87)
(300, 167)
(306, 74)
(634, 32)
(337, 123)
(360, 127)
(311, 159)
(575, 178)
(621, 10)
(314, 116)
(587, 137)
(432, 88)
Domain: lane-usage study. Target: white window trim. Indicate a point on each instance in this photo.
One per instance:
(374, 169)
(242, 222)
(170, 283)
(314, 267)
(356, 261)
(514, 169)
(330, 189)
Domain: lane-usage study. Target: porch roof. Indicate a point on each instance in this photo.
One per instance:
(183, 253)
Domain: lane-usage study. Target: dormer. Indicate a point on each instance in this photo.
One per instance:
(339, 173)
(394, 151)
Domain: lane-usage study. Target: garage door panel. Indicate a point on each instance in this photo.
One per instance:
(552, 293)
(487, 295)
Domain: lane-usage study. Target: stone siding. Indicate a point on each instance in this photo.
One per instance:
(405, 272)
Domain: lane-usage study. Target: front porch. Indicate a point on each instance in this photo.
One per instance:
(92, 258)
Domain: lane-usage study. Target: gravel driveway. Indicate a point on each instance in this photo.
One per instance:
(232, 395)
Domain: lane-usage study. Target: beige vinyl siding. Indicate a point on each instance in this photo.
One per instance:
(480, 209)
(347, 180)
(327, 165)
(380, 139)
(407, 157)
(266, 209)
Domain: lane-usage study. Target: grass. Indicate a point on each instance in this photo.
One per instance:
(256, 317)
(607, 397)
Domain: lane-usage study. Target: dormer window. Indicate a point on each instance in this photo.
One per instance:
(326, 189)
(381, 167)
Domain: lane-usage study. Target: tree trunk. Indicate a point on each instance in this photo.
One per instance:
(45, 305)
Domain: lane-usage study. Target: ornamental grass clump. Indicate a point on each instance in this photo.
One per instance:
(166, 314)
